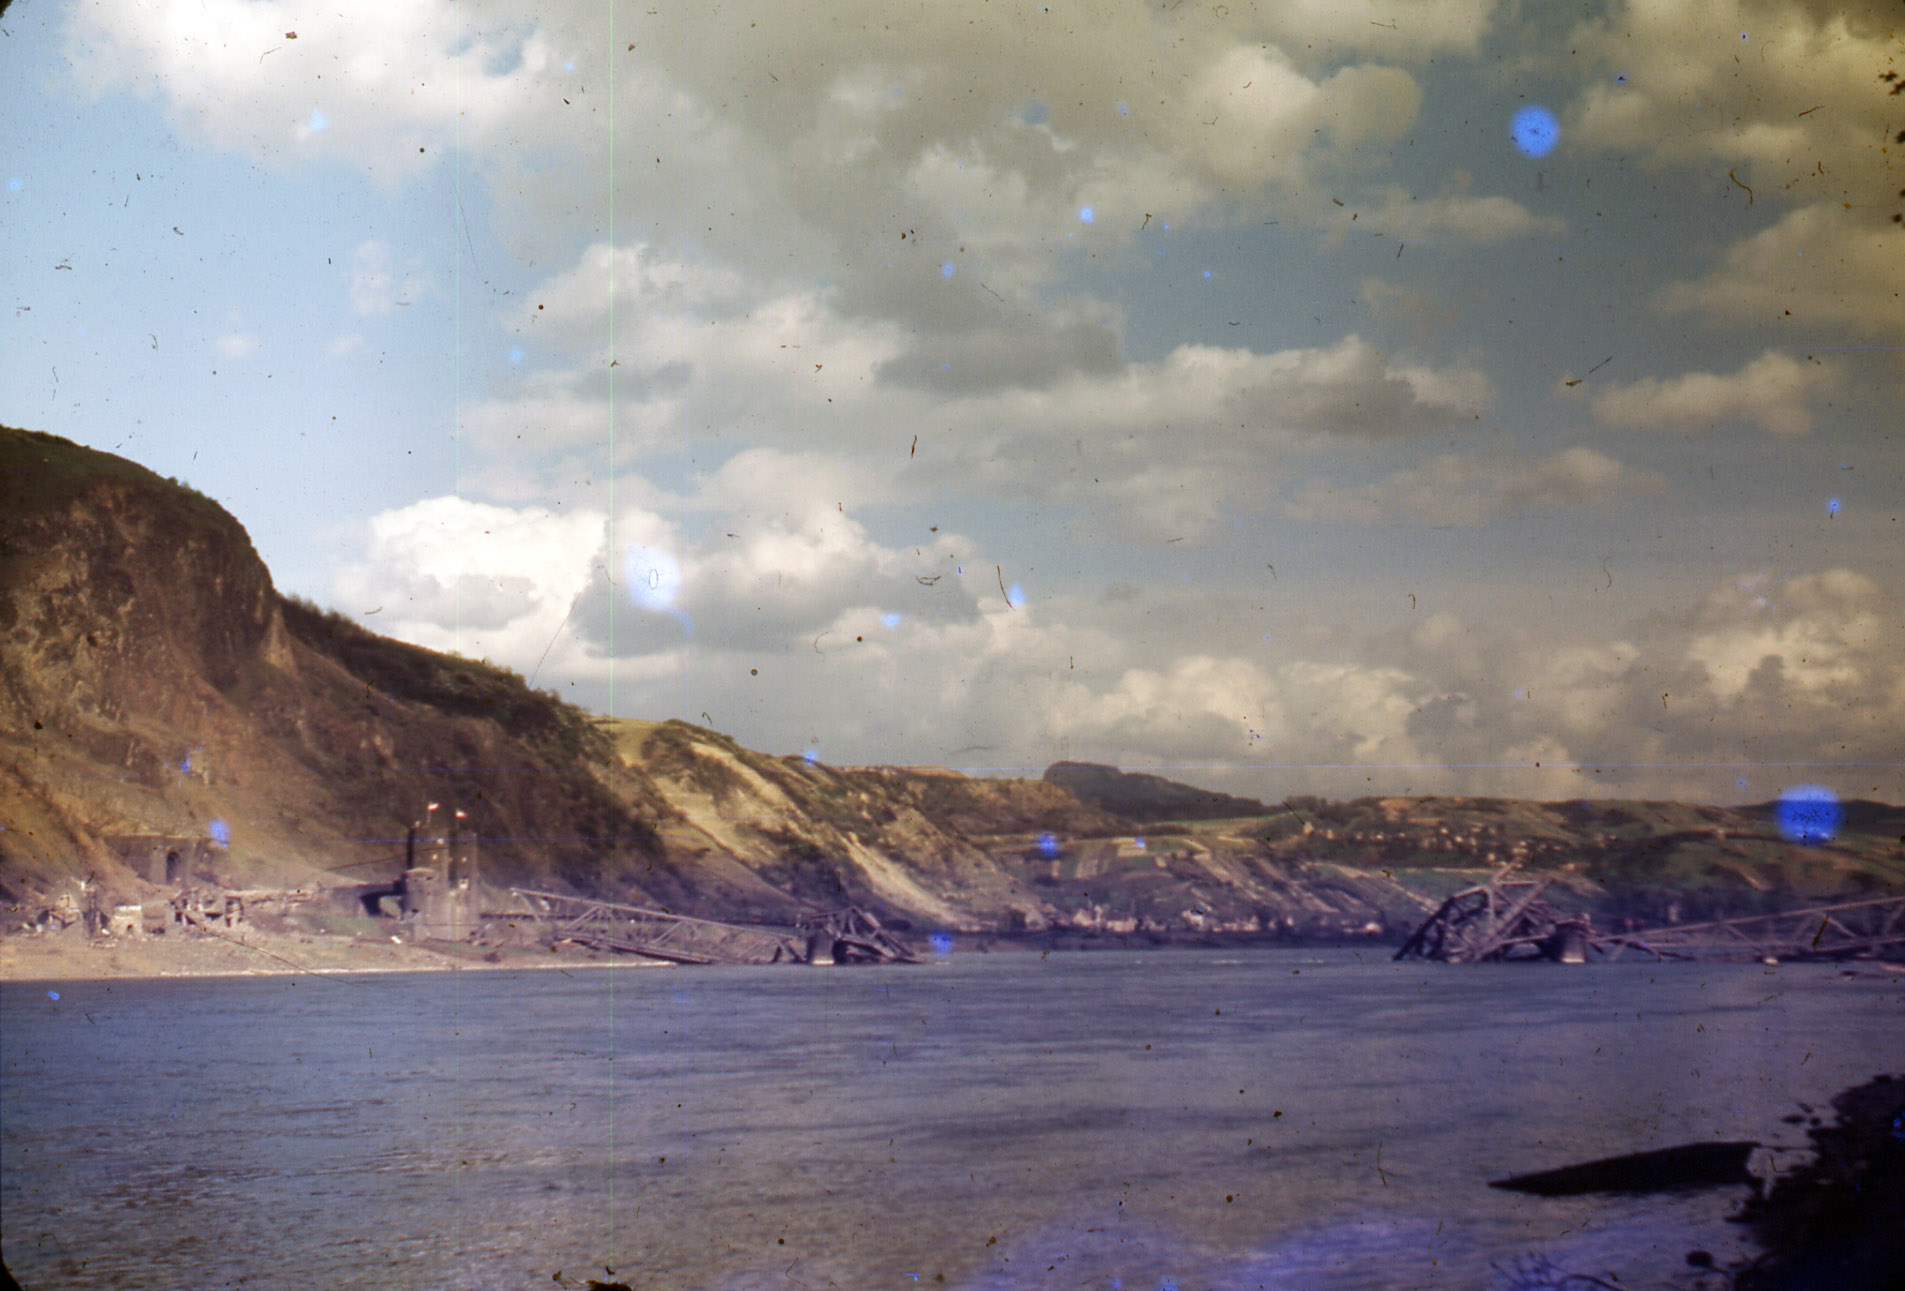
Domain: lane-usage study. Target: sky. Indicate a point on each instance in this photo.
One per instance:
(1329, 396)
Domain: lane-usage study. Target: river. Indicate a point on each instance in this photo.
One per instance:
(1187, 1119)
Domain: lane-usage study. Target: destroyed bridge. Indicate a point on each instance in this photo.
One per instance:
(849, 936)
(1508, 919)
(436, 894)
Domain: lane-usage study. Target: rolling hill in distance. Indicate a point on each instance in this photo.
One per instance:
(154, 683)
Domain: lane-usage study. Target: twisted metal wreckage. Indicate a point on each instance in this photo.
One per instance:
(849, 936)
(1506, 919)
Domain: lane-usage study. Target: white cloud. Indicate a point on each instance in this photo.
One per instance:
(782, 562)
(482, 580)
(1779, 101)
(1196, 706)
(376, 286)
(1821, 264)
(237, 345)
(1484, 219)
(1165, 447)
(649, 298)
(1820, 635)
(802, 628)
(1774, 89)
(1406, 30)
(1036, 404)
(379, 83)
(1774, 391)
(1459, 489)
(985, 134)
(764, 342)
(1252, 116)
(1009, 201)
(775, 484)
(554, 412)
(781, 581)
(1759, 675)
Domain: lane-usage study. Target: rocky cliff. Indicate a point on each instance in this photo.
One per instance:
(153, 683)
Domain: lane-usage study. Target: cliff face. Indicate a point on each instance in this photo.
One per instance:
(124, 586)
(928, 847)
(152, 682)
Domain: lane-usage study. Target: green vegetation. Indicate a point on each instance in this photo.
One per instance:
(42, 475)
(40, 472)
(450, 684)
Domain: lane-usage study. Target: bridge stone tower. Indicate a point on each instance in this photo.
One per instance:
(440, 876)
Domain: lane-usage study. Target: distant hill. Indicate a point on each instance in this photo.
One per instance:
(1137, 796)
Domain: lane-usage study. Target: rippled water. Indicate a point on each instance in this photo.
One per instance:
(1273, 1119)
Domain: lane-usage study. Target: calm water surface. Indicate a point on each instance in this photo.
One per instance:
(1114, 1120)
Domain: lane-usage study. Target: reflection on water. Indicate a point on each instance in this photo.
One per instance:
(1107, 1120)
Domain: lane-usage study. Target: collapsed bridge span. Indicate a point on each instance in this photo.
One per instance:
(1847, 930)
(845, 936)
(1508, 919)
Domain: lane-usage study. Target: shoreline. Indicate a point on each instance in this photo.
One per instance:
(71, 956)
